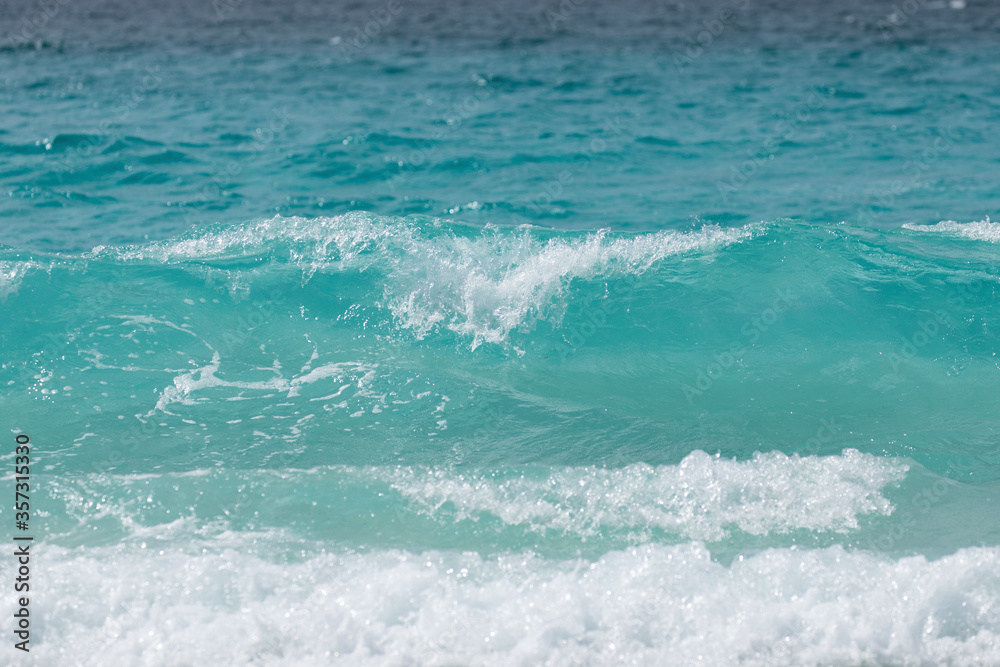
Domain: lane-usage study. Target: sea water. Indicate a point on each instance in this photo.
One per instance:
(579, 333)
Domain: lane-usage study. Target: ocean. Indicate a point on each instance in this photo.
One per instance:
(535, 333)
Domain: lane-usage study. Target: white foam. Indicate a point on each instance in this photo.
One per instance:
(491, 285)
(704, 497)
(983, 230)
(315, 239)
(187, 386)
(234, 604)
(483, 285)
(11, 274)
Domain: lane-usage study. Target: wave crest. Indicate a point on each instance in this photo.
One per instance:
(984, 230)
(703, 497)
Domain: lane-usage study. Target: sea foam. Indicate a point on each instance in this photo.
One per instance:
(984, 230)
(233, 604)
(482, 283)
(11, 274)
(703, 497)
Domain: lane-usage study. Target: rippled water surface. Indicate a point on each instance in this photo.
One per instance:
(530, 334)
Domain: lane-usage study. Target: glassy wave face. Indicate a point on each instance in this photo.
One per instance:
(388, 440)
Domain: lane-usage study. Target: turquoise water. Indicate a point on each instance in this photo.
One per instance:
(506, 338)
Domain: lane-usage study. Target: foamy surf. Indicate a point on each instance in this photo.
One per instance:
(11, 274)
(477, 283)
(984, 230)
(237, 602)
(706, 498)
(302, 416)
(703, 497)
(387, 333)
